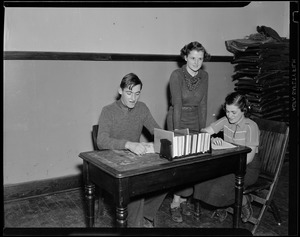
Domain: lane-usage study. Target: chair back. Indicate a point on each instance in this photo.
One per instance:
(94, 136)
(273, 144)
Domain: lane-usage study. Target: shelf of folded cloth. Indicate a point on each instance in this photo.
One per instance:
(269, 103)
(267, 92)
(264, 84)
(261, 72)
(264, 58)
(257, 65)
(262, 66)
(280, 114)
(237, 46)
(264, 96)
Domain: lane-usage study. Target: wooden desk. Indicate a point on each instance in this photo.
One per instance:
(124, 175)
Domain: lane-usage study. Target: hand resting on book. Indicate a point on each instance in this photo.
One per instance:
(136, 147)
(218, 143)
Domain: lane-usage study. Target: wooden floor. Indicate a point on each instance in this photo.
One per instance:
(61, 212)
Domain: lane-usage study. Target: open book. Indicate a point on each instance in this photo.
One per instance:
(149, 147)
(225, 145)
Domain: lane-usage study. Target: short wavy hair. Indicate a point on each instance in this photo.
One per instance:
(130, 80)
(239, 100)
(195, 45)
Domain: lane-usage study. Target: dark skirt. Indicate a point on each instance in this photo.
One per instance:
(220, 192)
(189, 119)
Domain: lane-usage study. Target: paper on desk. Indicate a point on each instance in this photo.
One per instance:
(225, 145)
(149, 147)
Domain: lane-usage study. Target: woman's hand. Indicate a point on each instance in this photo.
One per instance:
(217, 141)
(136, 148)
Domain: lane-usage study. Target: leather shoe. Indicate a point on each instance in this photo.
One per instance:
(148, 223)
(176, 214)
(186, 208)
(220, 214)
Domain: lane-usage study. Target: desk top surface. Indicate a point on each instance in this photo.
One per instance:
(122, 162)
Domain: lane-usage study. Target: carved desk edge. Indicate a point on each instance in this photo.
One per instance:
(160, 163)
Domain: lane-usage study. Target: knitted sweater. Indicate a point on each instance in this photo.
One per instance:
(118, 124)
(181, 96)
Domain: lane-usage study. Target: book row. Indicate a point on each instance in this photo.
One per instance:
(180, 143)
(191, 144)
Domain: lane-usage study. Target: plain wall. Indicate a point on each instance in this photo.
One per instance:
(50, 106)
(138, 30)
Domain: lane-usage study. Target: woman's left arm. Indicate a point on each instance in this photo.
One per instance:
(203, 103)
(252, 140)
(251, 154)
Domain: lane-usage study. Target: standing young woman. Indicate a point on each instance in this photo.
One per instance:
(238, 129)
(188, 109)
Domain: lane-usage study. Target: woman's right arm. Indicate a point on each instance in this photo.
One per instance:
(208, 130)
(214, 128)
(175, 89)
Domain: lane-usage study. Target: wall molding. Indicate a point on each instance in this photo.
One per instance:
(169, 4)
(80, 56)
(42, 187)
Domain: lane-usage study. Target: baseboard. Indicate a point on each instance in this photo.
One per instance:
(41, 187)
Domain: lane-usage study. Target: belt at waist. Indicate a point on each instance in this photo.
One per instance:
(189, 107)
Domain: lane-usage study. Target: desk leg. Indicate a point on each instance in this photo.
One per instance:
(121, 216)
(239, 187)
(90, 201)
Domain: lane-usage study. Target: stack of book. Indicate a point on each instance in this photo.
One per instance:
(180, 143)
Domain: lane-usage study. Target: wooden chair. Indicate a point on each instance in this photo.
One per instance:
(274, 137)
(94, 136)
